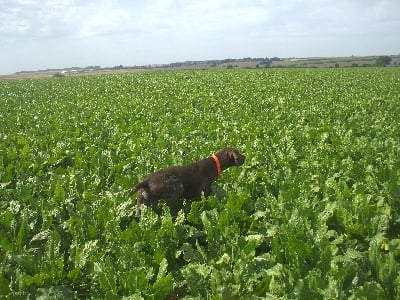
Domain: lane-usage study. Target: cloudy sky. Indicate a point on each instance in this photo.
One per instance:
(65, 33)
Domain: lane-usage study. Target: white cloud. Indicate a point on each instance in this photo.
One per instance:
(135, 32)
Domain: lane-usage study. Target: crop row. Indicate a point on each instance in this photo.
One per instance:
(313, 212)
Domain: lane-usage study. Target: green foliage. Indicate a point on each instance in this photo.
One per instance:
(312, 214)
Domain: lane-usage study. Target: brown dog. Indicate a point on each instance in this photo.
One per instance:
(188, 181)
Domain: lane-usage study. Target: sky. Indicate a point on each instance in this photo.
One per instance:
(51, 34)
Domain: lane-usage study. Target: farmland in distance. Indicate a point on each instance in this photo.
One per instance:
(314, 213)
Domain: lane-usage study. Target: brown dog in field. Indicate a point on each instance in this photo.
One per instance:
(185, 182)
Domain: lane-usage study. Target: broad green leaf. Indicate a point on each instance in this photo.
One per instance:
(162, 287)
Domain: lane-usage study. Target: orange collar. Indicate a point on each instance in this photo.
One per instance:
(218, 164)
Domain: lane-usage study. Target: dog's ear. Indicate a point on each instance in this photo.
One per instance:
(235, 158)
(232, 157)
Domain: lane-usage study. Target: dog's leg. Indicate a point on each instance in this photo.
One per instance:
(142, 196)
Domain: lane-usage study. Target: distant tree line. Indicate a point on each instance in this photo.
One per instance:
(383, 61)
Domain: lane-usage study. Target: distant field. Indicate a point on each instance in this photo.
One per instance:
(327, 62)
(314, 213)
(245, 63)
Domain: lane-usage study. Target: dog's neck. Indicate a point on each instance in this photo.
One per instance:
(218, 165)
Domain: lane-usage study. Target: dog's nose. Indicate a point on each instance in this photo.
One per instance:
(240, 160)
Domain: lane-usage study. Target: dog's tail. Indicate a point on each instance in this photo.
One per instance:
(138, 186)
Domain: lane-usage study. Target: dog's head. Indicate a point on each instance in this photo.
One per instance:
(230, 157)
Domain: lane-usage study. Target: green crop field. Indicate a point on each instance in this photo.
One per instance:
(314, 213)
